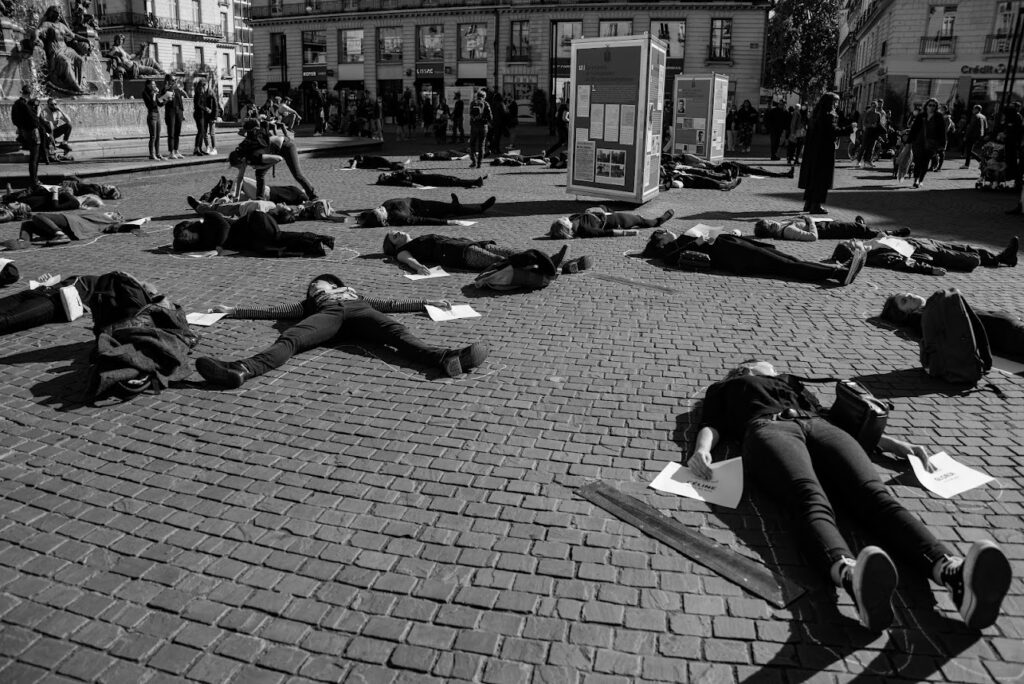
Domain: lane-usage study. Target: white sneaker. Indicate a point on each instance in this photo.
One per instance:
(212, 150)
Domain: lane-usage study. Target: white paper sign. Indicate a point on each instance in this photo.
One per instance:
(949, 477)
(139, 221)
(725, 489)
(904, 248)
(417, 186)
(709, 232)
(204, 319)
(52, 280)
(461, 222)
(436, 313)
(435, 272)
(583, 100)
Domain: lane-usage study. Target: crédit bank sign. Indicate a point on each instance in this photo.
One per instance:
(987, 69)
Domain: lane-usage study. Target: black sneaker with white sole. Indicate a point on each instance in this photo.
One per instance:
(870, 582)
(978, 584)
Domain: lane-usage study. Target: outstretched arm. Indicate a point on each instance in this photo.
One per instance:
(904, 450)
(410, 261)
(700, 460)
(273, 313)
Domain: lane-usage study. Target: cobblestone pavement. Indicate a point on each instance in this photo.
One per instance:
(354, 518)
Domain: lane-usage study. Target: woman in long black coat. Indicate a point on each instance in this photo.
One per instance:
(818, 168)
(927, 136)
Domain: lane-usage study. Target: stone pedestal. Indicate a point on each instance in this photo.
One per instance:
(102, 119)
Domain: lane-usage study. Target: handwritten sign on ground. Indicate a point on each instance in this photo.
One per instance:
(725, 489)
(949, 477)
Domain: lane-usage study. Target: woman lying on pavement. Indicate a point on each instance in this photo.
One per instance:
(931, 257)
(32, 308)
(695, 179)
(329, 311)
(807, 229)
(520, 160)
(411, 211)
(282, 213)
(732, 169)
(1004, 330)
(367, 161)
(56, 228)
(446, 155)
(807, 462)
(71, 194)
(455, 252)
(746, 257)
(256, 232)
(415, 179)
(599, 222)
(279, 194)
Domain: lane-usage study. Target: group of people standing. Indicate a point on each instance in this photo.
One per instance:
(206, 111)
(432, 114)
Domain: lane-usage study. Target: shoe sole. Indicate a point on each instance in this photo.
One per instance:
(875, 579)
(473, 357)
(987, 577)
(856, 264)
(452, 367)
(215, 375)
(577, 265)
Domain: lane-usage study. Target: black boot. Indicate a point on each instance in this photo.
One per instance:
(455, 362)
(1009, 255)
(488, 203)
(227, 374)
(557, 257)
(665, 217)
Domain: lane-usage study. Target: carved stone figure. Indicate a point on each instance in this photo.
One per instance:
(124, 65)
(65, 52)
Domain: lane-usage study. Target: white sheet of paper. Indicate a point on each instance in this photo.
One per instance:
(139, 221)
(461, 222)
(204, 319)
(457, 311)
(4, 262)
(435, 272)
(903, 247)
(755, 177)
(424, 187)
(726, 489)
(52, 280)
(950, 478)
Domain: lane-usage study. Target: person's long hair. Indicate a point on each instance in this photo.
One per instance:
(826, 103)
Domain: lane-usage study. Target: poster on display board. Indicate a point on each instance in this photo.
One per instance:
(616, 112)
(698, 115)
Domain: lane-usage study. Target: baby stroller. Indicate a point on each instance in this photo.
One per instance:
(992, 162)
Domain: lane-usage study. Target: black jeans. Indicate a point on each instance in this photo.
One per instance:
(844, 230)
(954, 256)
(200, 132)
(153, 124)
(1005, 333)
(563, 139)
(624, 220)
(808, 462)
(867, 145)
(969, 144)
(33, 147)
(477, 136)
(794, 148)
(922, 160)
(29, 309)
(173, 132)
(745, 257)
(291, 160)
(458, 133)
(357, 320)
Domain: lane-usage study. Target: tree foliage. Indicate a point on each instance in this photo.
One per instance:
(802, 43)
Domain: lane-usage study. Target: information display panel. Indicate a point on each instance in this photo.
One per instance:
(698, 111)
(615, 117)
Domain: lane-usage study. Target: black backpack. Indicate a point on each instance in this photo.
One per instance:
(479, 113)
(954, 344)
(115, 297)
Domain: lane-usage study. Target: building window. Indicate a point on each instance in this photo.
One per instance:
(389, 44)
(920, 89)
(472, 42)
(564, 33)
(200, 56)
(673, 33)
(430, 43)
(224, 24)
(314, 47)
(278, 49)
(521, 88)
(1006, 15)
(721, 40)
(350, 46)
(941, 21)
(519, 42)
(178, 63)
(197, 11)
(176, 9)
(226, 68)
(607, 29)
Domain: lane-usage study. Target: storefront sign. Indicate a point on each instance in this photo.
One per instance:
(987, 69)
(431, 70)
(314, 72)
(617, 96)
(560, 68)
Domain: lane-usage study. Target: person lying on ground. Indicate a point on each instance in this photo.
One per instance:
(411, 211)
(32, 308)
(282, 213)
(367, 161)
(14, 211)
(746, 257)
(416, 179)
(256, 232)
(696, 180)
(599, 222)
(931, 257)
(279, 194)
(733, 169)
(455, 252)
(447, 155)
(807, 229)
(520, 160)
(71, 194)
(1004, 330)
(807, 463)
(58, 228)
(332, 311)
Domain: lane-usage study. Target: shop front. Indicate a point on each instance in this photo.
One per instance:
(429, 81)
(314, 85)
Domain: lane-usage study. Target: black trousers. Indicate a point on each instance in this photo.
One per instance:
(745, 257)
(173, 131)
(200, 131)
(153, 124)
(355, 320)
(291, 160)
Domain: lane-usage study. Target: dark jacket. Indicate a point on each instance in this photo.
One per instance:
(153, 105)
(24, 115)
(819, 164)
(934, 132)
(174, 108)
(202, 106)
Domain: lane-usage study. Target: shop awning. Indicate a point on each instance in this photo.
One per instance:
(279, 86)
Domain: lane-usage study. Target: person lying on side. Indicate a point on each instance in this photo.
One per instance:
(931, 257)
(256, 232)
(455, 252)
(807, 229)
(412, 211)
(599, 222)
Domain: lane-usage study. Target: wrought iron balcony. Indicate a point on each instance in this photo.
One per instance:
(938, 45)
(160, 23)
(719, 53)
(519, 53)
(997, 44)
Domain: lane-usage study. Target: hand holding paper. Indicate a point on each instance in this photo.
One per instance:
(435, 272)
(725, 489)
(948, 478)
(452, 313)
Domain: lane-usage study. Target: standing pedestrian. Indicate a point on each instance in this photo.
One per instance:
(797, 134)
(174, 113)
(561, 126)
(871, 130)
(927, 136)
(200, 113)
(213, 102)
(25, 117)
(977, 128)
(153, 101)
(499, 114)
(458, 112)
(480, 118)
(730, 129)
(777, 120)
(746, 119)
(818, 168)
(512, 108)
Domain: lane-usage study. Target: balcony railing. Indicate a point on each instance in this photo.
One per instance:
(997, 44)
(519, 53)
(719, 53)
(161, 23)
(266, 9)
(938, 45)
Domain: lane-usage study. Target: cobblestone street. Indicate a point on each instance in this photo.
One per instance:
(352, 517)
